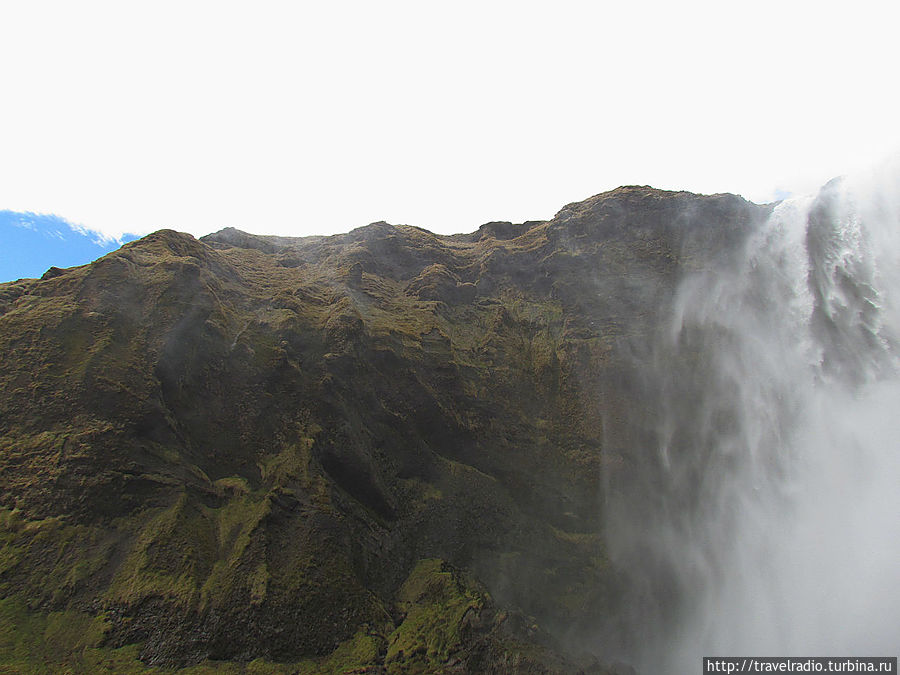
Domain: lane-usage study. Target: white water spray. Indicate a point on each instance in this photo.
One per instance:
(775, 527)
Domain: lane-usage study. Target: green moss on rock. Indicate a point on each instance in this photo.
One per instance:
(436, 602)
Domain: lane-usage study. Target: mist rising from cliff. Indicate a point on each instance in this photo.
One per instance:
(766, 516)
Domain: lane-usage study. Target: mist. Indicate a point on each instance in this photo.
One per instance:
(764, 518)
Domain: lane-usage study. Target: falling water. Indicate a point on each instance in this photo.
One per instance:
(768, 518)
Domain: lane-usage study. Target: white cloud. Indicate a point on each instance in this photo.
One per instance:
(24, 223)
(301, 118)
(97, 237)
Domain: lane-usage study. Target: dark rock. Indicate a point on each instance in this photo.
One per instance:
(52, 273)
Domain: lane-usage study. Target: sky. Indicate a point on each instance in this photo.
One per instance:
(33, 243)
(299, 118)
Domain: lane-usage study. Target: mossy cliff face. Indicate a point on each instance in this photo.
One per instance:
(341, 452)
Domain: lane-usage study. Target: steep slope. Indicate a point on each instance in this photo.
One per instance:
(361, 446)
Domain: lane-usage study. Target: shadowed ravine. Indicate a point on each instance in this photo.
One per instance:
(656, 427)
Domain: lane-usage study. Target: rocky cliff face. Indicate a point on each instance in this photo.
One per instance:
(386, 450)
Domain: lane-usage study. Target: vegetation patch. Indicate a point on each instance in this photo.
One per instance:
(436, 601)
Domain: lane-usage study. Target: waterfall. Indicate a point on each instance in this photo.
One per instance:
(766, 520)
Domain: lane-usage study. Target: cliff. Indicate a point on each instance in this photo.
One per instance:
(386, 451)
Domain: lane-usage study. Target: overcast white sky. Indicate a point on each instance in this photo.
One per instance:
(316, 117)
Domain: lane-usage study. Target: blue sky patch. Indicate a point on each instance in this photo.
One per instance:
(31, 243)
